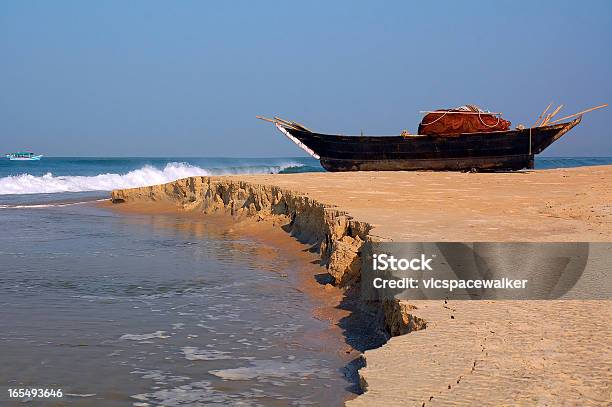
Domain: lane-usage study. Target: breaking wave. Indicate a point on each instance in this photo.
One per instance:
(147, 175)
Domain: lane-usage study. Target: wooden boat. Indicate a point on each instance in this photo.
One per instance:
(490, 151)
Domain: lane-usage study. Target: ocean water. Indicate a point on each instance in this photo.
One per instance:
(155, 310)
(80, 174)
(151, 310)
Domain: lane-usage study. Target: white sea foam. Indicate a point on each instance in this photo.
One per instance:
(49, 205)
(143, 337)
(263, 370)
(201, 393)
(192, 353)
(147, 175)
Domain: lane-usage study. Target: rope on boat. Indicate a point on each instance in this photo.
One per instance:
(486, 125)
(433, 121)
(471, 109)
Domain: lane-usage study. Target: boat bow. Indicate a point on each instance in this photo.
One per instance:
(303, 146)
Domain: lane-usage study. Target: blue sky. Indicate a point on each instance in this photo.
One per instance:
(153, 78)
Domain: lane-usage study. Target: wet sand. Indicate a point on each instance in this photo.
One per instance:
(494, 352)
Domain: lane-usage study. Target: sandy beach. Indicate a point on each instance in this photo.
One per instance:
(551, 205)
(442, 353)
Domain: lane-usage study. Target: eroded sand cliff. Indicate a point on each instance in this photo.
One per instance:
(489, 353)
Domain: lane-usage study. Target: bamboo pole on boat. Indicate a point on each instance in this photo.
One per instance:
(293, 124)
(542, 115)
(277, 121)
(286, 122)
(265, 119)
(301, 126)
(579, 113)
(550, 116)
(282, 120)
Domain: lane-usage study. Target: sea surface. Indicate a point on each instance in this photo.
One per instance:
(154, 309)
(150, 310)
(81, 174)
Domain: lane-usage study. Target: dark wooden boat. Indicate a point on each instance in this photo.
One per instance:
(490, 151)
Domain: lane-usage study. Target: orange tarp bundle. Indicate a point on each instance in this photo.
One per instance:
(466, 119)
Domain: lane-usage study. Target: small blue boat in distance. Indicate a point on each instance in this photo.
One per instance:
(23, 156)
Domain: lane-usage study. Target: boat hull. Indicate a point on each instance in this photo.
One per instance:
(492, 151)
(506, 163)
